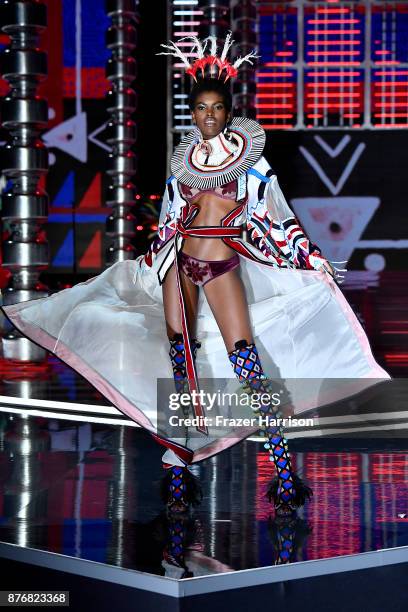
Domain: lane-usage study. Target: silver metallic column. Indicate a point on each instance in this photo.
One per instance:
(121, 71)
(122, 504)
(24, 160)
(245, 32)
(216, 20)
(25, 488)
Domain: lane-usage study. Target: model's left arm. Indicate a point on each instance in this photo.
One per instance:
(282, 228)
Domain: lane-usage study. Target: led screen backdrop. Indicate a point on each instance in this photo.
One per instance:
(332, 94)
(75, 89)
(323, 64)
(333, 64)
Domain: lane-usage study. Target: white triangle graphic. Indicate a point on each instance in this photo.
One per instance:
(70, 136)
(335, 224)
(334, 188)
(329, 150)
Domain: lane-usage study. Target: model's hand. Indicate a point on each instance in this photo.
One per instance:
(318, 262)
(328, 268)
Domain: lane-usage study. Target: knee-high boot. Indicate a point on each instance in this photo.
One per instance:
(287, 490)
(178, 361)
(180, 488)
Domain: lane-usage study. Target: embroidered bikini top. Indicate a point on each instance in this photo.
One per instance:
(228, 191)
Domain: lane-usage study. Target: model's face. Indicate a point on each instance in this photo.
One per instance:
(210, 114)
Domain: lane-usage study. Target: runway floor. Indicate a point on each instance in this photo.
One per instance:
(78, 478)
(92, 489)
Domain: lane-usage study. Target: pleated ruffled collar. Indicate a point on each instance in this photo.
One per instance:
(219, 160)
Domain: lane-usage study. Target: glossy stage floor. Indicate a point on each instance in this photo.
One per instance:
(80, 506)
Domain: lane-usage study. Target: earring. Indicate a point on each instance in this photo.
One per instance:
(227, 132)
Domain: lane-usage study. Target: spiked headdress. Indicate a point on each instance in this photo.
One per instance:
(209, 64)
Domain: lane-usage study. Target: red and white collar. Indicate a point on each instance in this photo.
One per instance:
(218, 160)
(215, 152)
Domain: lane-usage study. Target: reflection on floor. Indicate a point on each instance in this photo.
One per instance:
(92, 491)
(89, 486)
(52, 380)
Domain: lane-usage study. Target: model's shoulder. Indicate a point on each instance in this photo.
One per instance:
(261, 164)
(260, 169)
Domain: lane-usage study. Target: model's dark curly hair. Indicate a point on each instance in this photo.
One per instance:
(210, 85)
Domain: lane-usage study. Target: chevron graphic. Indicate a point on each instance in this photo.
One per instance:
(99, 143)
(329, 150)
(334, 188)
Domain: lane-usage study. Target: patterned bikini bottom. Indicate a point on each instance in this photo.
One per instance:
(201, 271)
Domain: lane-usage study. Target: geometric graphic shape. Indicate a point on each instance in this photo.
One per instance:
(65, 255)
(92, 256)
(329, 150)
(70, 136)
(383, 244)
(374, 262)
(96, 141)
(92, 197)
(334, 188)
(65, 197)
(335, 224)
(81, 218)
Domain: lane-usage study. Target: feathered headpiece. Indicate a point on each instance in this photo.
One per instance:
(216, 65)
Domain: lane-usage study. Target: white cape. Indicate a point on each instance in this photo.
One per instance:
(111, 329)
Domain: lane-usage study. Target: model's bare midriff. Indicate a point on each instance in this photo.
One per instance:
(212, 210)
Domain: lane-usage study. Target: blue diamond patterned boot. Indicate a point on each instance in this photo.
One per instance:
(174, 550)
(180, 489)
(177, 489)
(178, 361)
(288, 536)
(286, 496)
(180, 531)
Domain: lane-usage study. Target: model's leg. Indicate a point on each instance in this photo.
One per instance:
(173, 323)
(179, 488)
(226, 297)
(172, 306)
(227, 300)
